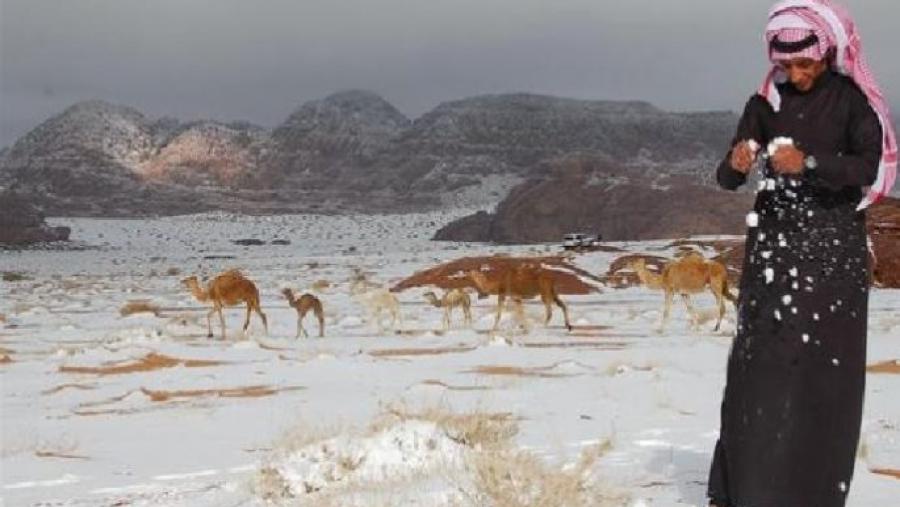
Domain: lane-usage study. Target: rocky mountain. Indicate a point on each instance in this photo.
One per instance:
(22, 223)
(581, 197)
(349, 151)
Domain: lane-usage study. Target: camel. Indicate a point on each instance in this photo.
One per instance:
(376, 299)
(522, 282)
(450, 300)
(691, 274)
(228, 288)
(303, 305)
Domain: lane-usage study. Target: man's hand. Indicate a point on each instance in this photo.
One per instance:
(788, 160)
(742, 156)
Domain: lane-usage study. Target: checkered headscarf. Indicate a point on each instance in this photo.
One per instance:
(810, 28)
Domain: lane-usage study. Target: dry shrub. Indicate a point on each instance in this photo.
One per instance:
(321, 285)
(173, 271)
(515, 478)
(15, 276)
(269, 485)
(302, 435)
(493, 472)
(475, 430)
(139, 306)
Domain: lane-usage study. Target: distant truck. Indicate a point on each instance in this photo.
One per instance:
(581, 241)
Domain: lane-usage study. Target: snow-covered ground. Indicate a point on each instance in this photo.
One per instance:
(144, 409)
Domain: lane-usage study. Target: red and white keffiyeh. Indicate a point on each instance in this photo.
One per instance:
(793, 21)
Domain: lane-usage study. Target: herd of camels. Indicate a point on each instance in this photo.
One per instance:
(688, 275)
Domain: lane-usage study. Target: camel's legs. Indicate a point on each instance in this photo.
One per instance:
(447, 311)
(396, 317)
(300, 330)
(501, 299)
(692, 314)
(720, 302)
(262, 316)
(565, 310)
(221, 321)
(321, 319)
(520, 314)
(548, 309)
(209, 333)
(467, 312)
(247, 318)
(667, 306)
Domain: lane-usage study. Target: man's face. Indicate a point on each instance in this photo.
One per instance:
(802, 72)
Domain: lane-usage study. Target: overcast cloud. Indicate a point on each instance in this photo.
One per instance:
(258, 60)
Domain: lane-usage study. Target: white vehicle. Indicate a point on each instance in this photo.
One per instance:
(592, 241)
(574, 240)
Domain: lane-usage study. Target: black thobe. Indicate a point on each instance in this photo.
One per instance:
(793, 398)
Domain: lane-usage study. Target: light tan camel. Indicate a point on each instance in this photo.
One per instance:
(692, 274)
(229, 288)
(303, 305)
(521, 282)
(451, 299)
(376, 299)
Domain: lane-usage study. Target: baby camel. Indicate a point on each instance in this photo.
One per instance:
(376, 299)
(450, 300)
(522, 282)
(303, 305)
(229, 288)
(692, 274)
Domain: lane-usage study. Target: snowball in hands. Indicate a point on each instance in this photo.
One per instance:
(778, 142)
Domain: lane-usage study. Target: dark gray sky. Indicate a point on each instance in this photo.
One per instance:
(258, 60)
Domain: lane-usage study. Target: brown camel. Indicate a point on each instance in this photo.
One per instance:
(692, 274)
(303, 305)
(229, 288)
(451, 299)
(521, 282)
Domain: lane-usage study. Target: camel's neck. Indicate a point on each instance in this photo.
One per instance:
(198, 292)
(289, 295)
(647, 277)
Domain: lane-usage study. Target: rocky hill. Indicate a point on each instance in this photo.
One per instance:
(22, 223)
(349, 151)
(580, 196)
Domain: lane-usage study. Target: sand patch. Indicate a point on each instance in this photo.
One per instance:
(236, 392)
(587, 344)
(51, 454)
(436, 351)
(176, 397)
(5, 359)
(519, 371)
(886, 367)
(434, 382)
(889, 472)
(150, 362)
(63, 387)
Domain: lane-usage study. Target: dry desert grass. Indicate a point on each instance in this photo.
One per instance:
(139, 306)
